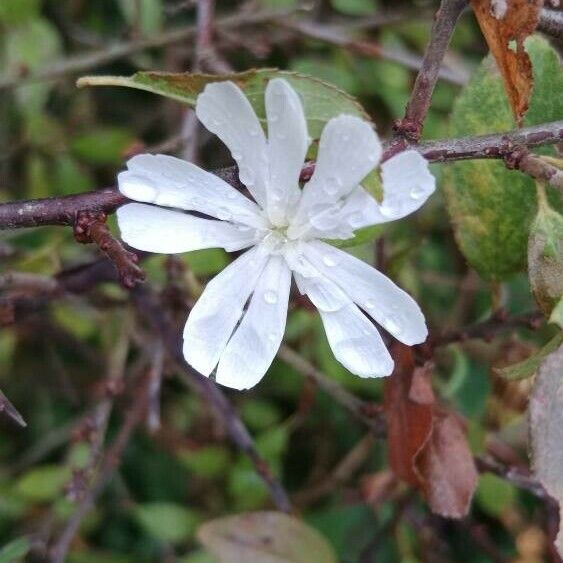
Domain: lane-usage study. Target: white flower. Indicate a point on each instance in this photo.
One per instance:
(283, 228)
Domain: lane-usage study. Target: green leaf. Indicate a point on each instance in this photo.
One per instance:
(44, 483)
(321, 101)
(264, 537)
(557, 314)
(492, 207)
(209, 462)
(546, 421)
(545, 256)
(146, 15)
(166, 521)
(29, 48)
(16, 12)
(494, 495)
(104, 145)
(529, 366)
(16, 550)
(354, 7)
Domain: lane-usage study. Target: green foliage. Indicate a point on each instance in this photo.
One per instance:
(103, 146)
(321, 101)
(16, 550)
(167, 522)
(491, 207)
(494, 495)
(43, 483)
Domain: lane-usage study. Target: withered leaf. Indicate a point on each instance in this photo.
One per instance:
(546, 428)
(514, 22)
(447, 466)
(408, 409)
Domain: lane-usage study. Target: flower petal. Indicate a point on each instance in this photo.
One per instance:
(356, 343)
(225, 111)
(407, 184)
(254, 344)
(374, 292)
(172, 182)
(216, 313)
(288, 141)
(349, 149)
(154, 229)
(324, 294)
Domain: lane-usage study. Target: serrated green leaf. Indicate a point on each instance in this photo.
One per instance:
(321, 100)
(529, 366)
(492, 207)
(545, 257)
(265, 537)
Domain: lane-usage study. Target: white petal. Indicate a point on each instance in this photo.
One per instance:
(172, 182)
(288, 141)
(407, 184)
(216, 313)
(225, 110)
(155, 229)
(349, 149)
(374, 292)
(324, 294)
(356, 343)
(254, 344)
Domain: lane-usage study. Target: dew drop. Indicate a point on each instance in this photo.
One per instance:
(281, 136)
(272, 337)
(231, 194)
(237, 155)
(417, 193)
(273, 117)
(253, 132)
(330, 260)
(386, 210)
(370, 304)
(270, 297)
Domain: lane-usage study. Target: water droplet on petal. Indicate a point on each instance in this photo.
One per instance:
(281, 136)
(386, 210)
(236, 155)
(273, 117)
(270, 297)
(370, 304)
(330, 259)
(253, 132)
(272, 337)
(231, 194)
(417, 192)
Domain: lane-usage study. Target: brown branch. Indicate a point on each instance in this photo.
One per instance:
(63, 210)
(551, 22)
(535, 166)
(110, 462)
(410, 127)
(92, 227)
(149, 308)
(488, 329)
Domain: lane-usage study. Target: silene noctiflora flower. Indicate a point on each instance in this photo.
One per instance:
(237, 325)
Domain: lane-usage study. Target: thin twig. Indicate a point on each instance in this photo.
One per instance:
(551, 22)
(410, 127)
(150, 309)
(535, 166)
(363, 411)
(92, 227)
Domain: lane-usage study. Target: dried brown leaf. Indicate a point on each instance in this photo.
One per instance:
(408, 409)
(447, 466)
(514, 20)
